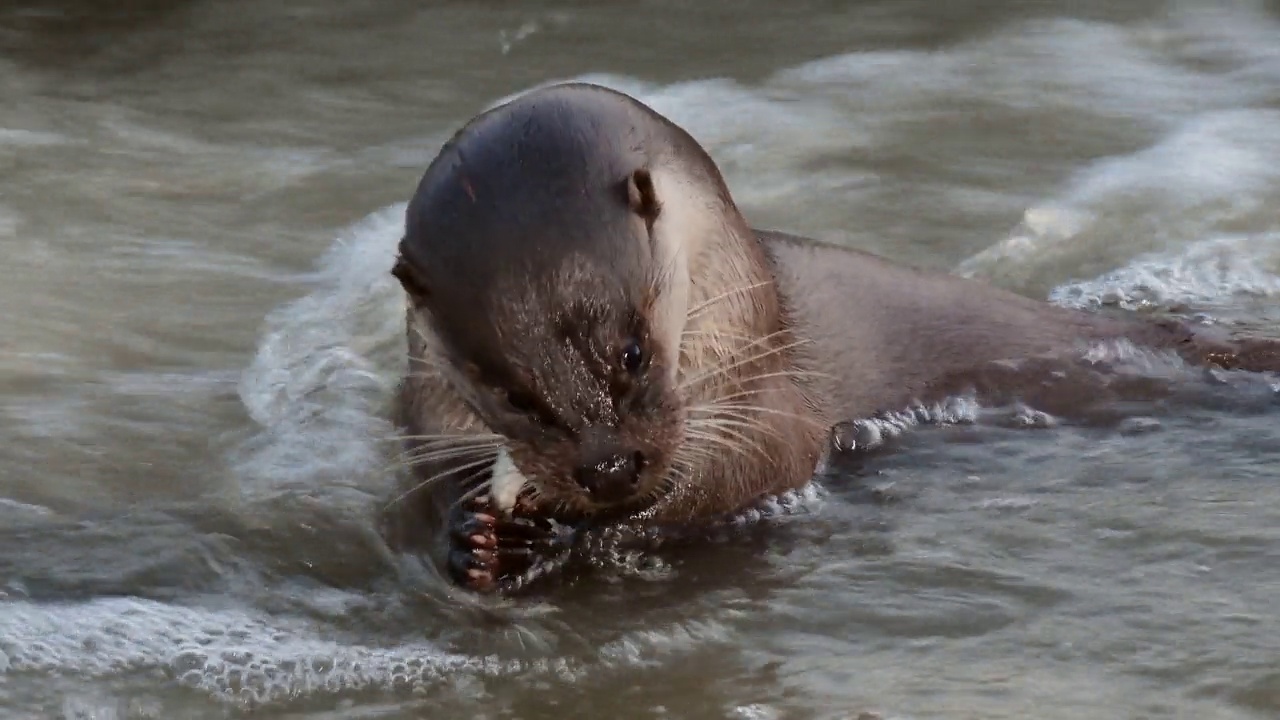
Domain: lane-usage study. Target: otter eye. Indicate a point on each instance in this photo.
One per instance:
(632, 357)
(520, 402)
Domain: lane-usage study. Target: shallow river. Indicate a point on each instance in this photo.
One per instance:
(199, 202)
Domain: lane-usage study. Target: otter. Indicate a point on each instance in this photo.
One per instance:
(598, 340)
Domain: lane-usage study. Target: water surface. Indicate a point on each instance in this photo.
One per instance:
(199, 203)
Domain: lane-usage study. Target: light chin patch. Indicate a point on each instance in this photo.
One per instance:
(507, 482)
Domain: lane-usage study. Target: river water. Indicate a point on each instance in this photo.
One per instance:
(199, 202)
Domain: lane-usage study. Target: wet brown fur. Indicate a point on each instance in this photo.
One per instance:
(784, 336)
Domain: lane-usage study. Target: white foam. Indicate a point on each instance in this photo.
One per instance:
(873, 432)
(231, 654)
(755, 711)
(1212, 272)
(251, 658)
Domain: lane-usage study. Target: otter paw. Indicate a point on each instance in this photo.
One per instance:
(493, 552)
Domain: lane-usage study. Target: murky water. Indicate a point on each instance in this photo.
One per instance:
(199, 202)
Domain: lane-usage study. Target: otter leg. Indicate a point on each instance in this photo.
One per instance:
(494, 553)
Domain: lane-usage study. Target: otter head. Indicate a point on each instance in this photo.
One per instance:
(547, 250)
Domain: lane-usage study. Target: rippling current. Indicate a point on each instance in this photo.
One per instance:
(199, 203)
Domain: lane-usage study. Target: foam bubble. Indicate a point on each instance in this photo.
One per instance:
(229, 653)
(870, 433)
(1220, 271)
(755, 711)
(248, 658)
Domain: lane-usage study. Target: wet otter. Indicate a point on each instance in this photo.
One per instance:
(594, 327)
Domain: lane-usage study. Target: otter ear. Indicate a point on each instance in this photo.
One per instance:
(409, 279)
(641, 196)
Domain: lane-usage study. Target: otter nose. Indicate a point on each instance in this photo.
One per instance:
(613, 477)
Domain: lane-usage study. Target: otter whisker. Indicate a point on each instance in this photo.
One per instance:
(741, 447)
(478, 461)
(746, 422)
(471, 493)
(412, 459)
(727, 419)
(793, 374)
(455, 438)
(733, 428)
(727, 445)
(752, 342)
(695, 451)
(755, 392)
(748, 341)
(475, 467)
(438, 445)
(722, 329)
(763, 341)
(742, 410)
(445, 446)
(444, 450)
(739, 362)
(715, 332)
(709, 434)
(789, 373)
(739, 356)
(705, 304)
(690, 456)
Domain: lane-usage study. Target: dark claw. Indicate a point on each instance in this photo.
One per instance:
(517, 530)
(471, 571)
(469, 527)
(491, 551)
(464, 562)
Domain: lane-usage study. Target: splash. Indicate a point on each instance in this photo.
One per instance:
(1205, 193)
(326, 365)
(867, 434)
(1215, 272)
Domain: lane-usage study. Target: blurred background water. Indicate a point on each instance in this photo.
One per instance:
(199, 202)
